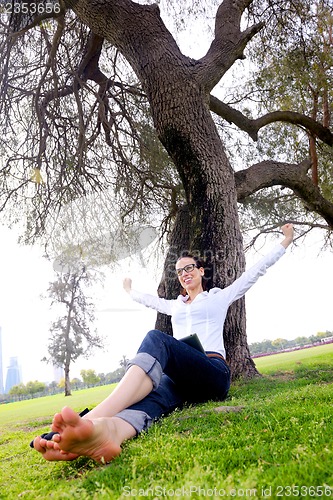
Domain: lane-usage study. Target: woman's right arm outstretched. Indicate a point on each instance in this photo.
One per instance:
(152, 301)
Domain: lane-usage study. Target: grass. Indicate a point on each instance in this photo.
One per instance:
(278, 444)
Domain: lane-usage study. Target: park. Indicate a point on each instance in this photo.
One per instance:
(210, 124)
(276, 437)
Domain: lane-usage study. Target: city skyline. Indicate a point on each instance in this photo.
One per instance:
(14, 374)
(13, 371)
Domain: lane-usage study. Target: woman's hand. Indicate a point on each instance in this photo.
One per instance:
(127, 284)
(288, 231)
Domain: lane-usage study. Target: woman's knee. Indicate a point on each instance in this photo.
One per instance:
(155, 344)
(154, 339)
(156, 334)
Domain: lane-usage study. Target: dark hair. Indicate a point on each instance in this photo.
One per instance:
(199, 262)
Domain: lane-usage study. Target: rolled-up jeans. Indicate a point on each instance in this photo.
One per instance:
(180, 374)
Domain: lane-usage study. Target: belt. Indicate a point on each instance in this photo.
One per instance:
(215, 355)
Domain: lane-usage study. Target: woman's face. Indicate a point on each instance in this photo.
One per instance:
(189, 275)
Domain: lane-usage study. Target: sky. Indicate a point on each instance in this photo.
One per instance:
(293, 299)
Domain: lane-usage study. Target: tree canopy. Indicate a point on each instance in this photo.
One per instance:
(76, 118)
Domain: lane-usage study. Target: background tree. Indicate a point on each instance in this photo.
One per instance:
(321, 335)
(18, 390)
(61, 383)
(269, 346)
(280, 343)
(90, 78)
(53, 386)
(76, 383)
(89, 377)
(34, 386)
(71, 335)
(114, 377)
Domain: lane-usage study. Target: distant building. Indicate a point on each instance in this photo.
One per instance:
(326, 340)
(1, 366)
(13, 374)
(58, 373)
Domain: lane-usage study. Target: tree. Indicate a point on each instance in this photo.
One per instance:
(322, 335)
(280, 343)
(18, 390)
(89, 377)
(53, 385)
(264, 346)
(62, 383)
(76, 383)
(35, 386)
(71, 335)
(202, 191)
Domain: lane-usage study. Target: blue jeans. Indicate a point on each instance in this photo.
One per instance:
(180, 374)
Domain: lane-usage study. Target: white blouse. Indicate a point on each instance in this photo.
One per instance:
(206, 314)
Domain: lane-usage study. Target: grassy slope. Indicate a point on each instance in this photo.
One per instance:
(281, 437)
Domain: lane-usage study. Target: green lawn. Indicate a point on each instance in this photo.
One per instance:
(44, 408)
(312, 356)
(277, 444)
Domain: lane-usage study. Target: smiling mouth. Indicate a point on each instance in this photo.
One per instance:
(187, 280)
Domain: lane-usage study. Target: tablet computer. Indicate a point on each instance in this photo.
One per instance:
(193, 341)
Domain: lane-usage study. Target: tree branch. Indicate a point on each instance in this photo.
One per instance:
(293, 176)
(88, 68)
(229, 42)
(252, 127)
(323, 133)
(234, 116)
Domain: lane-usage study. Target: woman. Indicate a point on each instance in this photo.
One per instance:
(165, 373)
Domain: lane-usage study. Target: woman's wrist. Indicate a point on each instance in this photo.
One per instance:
(287, 241)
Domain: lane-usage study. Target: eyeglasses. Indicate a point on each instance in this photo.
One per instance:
(187, 269)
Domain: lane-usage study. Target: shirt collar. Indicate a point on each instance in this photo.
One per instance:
(200, 296)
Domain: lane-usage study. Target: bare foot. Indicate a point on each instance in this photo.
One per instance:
(46, 448)
(97, 439)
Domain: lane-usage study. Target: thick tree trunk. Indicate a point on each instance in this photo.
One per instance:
(179, 98)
